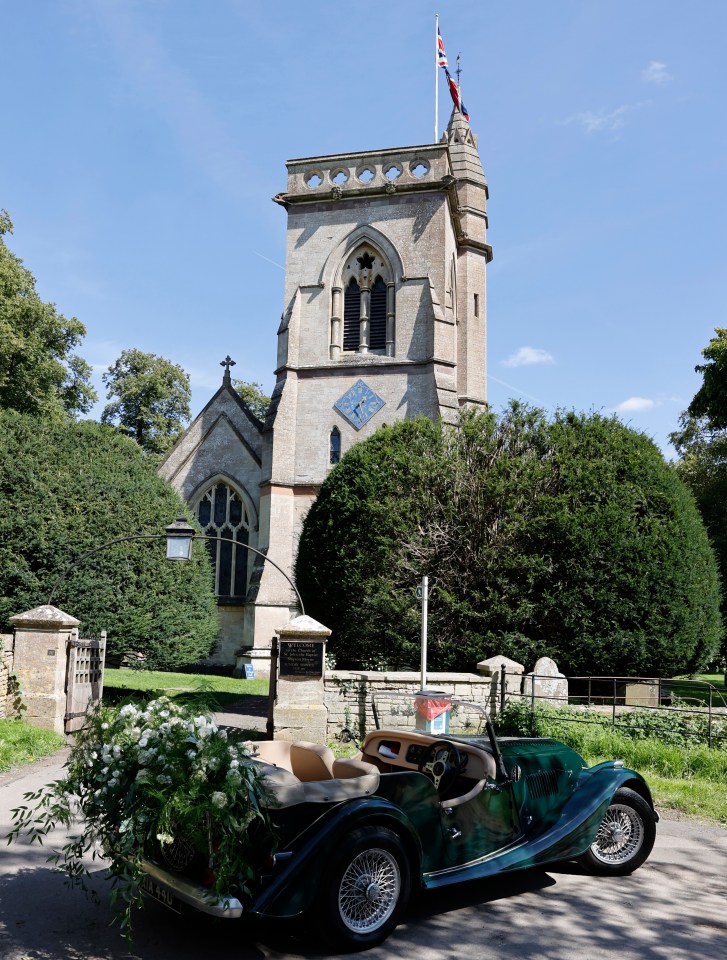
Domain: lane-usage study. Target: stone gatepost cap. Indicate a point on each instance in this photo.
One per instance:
(494, 665)
(44, 616)
(304, 627)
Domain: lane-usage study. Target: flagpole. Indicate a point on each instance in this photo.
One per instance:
(436, 77)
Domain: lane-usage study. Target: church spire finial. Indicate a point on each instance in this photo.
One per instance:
(227, 363)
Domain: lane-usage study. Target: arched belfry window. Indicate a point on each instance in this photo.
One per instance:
(221, 513)
(362, 309)
(351, 315)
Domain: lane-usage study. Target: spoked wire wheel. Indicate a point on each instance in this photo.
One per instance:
(620, 835)
(369, 890)
(364, 890)
(625, 836)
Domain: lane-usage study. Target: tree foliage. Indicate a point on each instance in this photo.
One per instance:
(252, 395)
(39, 371)
(701, 443)
(66, 488)
(710, 401)
(569, 538)
(149, 399)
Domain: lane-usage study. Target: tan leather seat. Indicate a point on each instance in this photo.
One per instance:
(311, 761)
(347, 768)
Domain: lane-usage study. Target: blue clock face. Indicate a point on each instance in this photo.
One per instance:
(359, 404)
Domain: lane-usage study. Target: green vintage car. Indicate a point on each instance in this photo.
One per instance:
(353, 838)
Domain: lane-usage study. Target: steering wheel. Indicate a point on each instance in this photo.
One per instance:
(442, 763)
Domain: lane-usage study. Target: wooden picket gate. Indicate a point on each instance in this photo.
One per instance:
(84, 678)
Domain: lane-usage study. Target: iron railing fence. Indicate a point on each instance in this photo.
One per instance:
(607, 700)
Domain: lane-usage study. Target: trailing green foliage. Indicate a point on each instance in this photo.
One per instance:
(569, 538)
(39, 371)
(66, 488)
(21, 743)
(142, 778)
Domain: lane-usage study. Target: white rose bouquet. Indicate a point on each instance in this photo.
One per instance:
(137, 780)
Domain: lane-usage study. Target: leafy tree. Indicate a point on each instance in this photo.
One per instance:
(68, 487)
(701, 443)
(149, 399)
(39, 372)
(710, 401)
(251, 394)
(570, 538)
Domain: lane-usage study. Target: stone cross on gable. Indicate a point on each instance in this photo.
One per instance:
(227, 363)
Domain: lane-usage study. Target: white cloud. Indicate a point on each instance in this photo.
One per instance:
(608, 121)
(526, 356)
(635, 405)
(655, 72)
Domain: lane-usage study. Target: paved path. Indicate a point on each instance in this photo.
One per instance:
(673, 908)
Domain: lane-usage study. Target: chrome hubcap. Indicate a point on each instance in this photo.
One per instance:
(369, 890)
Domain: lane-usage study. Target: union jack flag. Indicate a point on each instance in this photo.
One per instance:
(441, 55)
(456, 99)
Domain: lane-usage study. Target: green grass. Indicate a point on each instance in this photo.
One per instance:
(696, 694)
(210, 691)
(20, 743)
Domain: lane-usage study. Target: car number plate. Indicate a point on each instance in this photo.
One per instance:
(159, 893)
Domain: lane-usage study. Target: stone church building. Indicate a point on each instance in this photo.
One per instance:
(384, 318)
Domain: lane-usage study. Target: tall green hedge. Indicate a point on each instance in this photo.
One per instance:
(568, 537)
(68, 487)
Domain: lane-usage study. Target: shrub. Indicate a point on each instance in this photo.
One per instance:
(570, 538)
(66, 488)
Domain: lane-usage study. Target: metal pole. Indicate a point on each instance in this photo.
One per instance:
(709, 728)
(425, 611)
(436, 78)
(503, 687)
(613, 711)
(162, 536)
(273, 688)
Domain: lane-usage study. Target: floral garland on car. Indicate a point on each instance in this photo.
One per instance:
(142, 777)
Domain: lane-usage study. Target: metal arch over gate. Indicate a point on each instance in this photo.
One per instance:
(84, 678)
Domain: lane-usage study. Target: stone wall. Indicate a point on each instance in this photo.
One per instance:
(347, 697)
(8, 701)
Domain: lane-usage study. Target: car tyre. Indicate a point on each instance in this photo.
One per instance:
(365, 889)
(625, 836)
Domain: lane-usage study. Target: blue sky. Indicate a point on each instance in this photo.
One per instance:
(142, 142)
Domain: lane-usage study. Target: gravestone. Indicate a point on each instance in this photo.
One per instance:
(550, 684)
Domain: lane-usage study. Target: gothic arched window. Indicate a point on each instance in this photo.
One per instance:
(221, 513)
(362, 312)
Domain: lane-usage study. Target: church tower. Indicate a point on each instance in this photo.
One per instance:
(384, 319)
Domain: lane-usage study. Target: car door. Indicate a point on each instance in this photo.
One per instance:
(476, 825)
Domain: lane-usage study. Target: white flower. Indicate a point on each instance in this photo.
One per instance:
(223, 734)
(143, 742)
(104, 726)
(218, 799)
(234, 764)
(191, 754)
